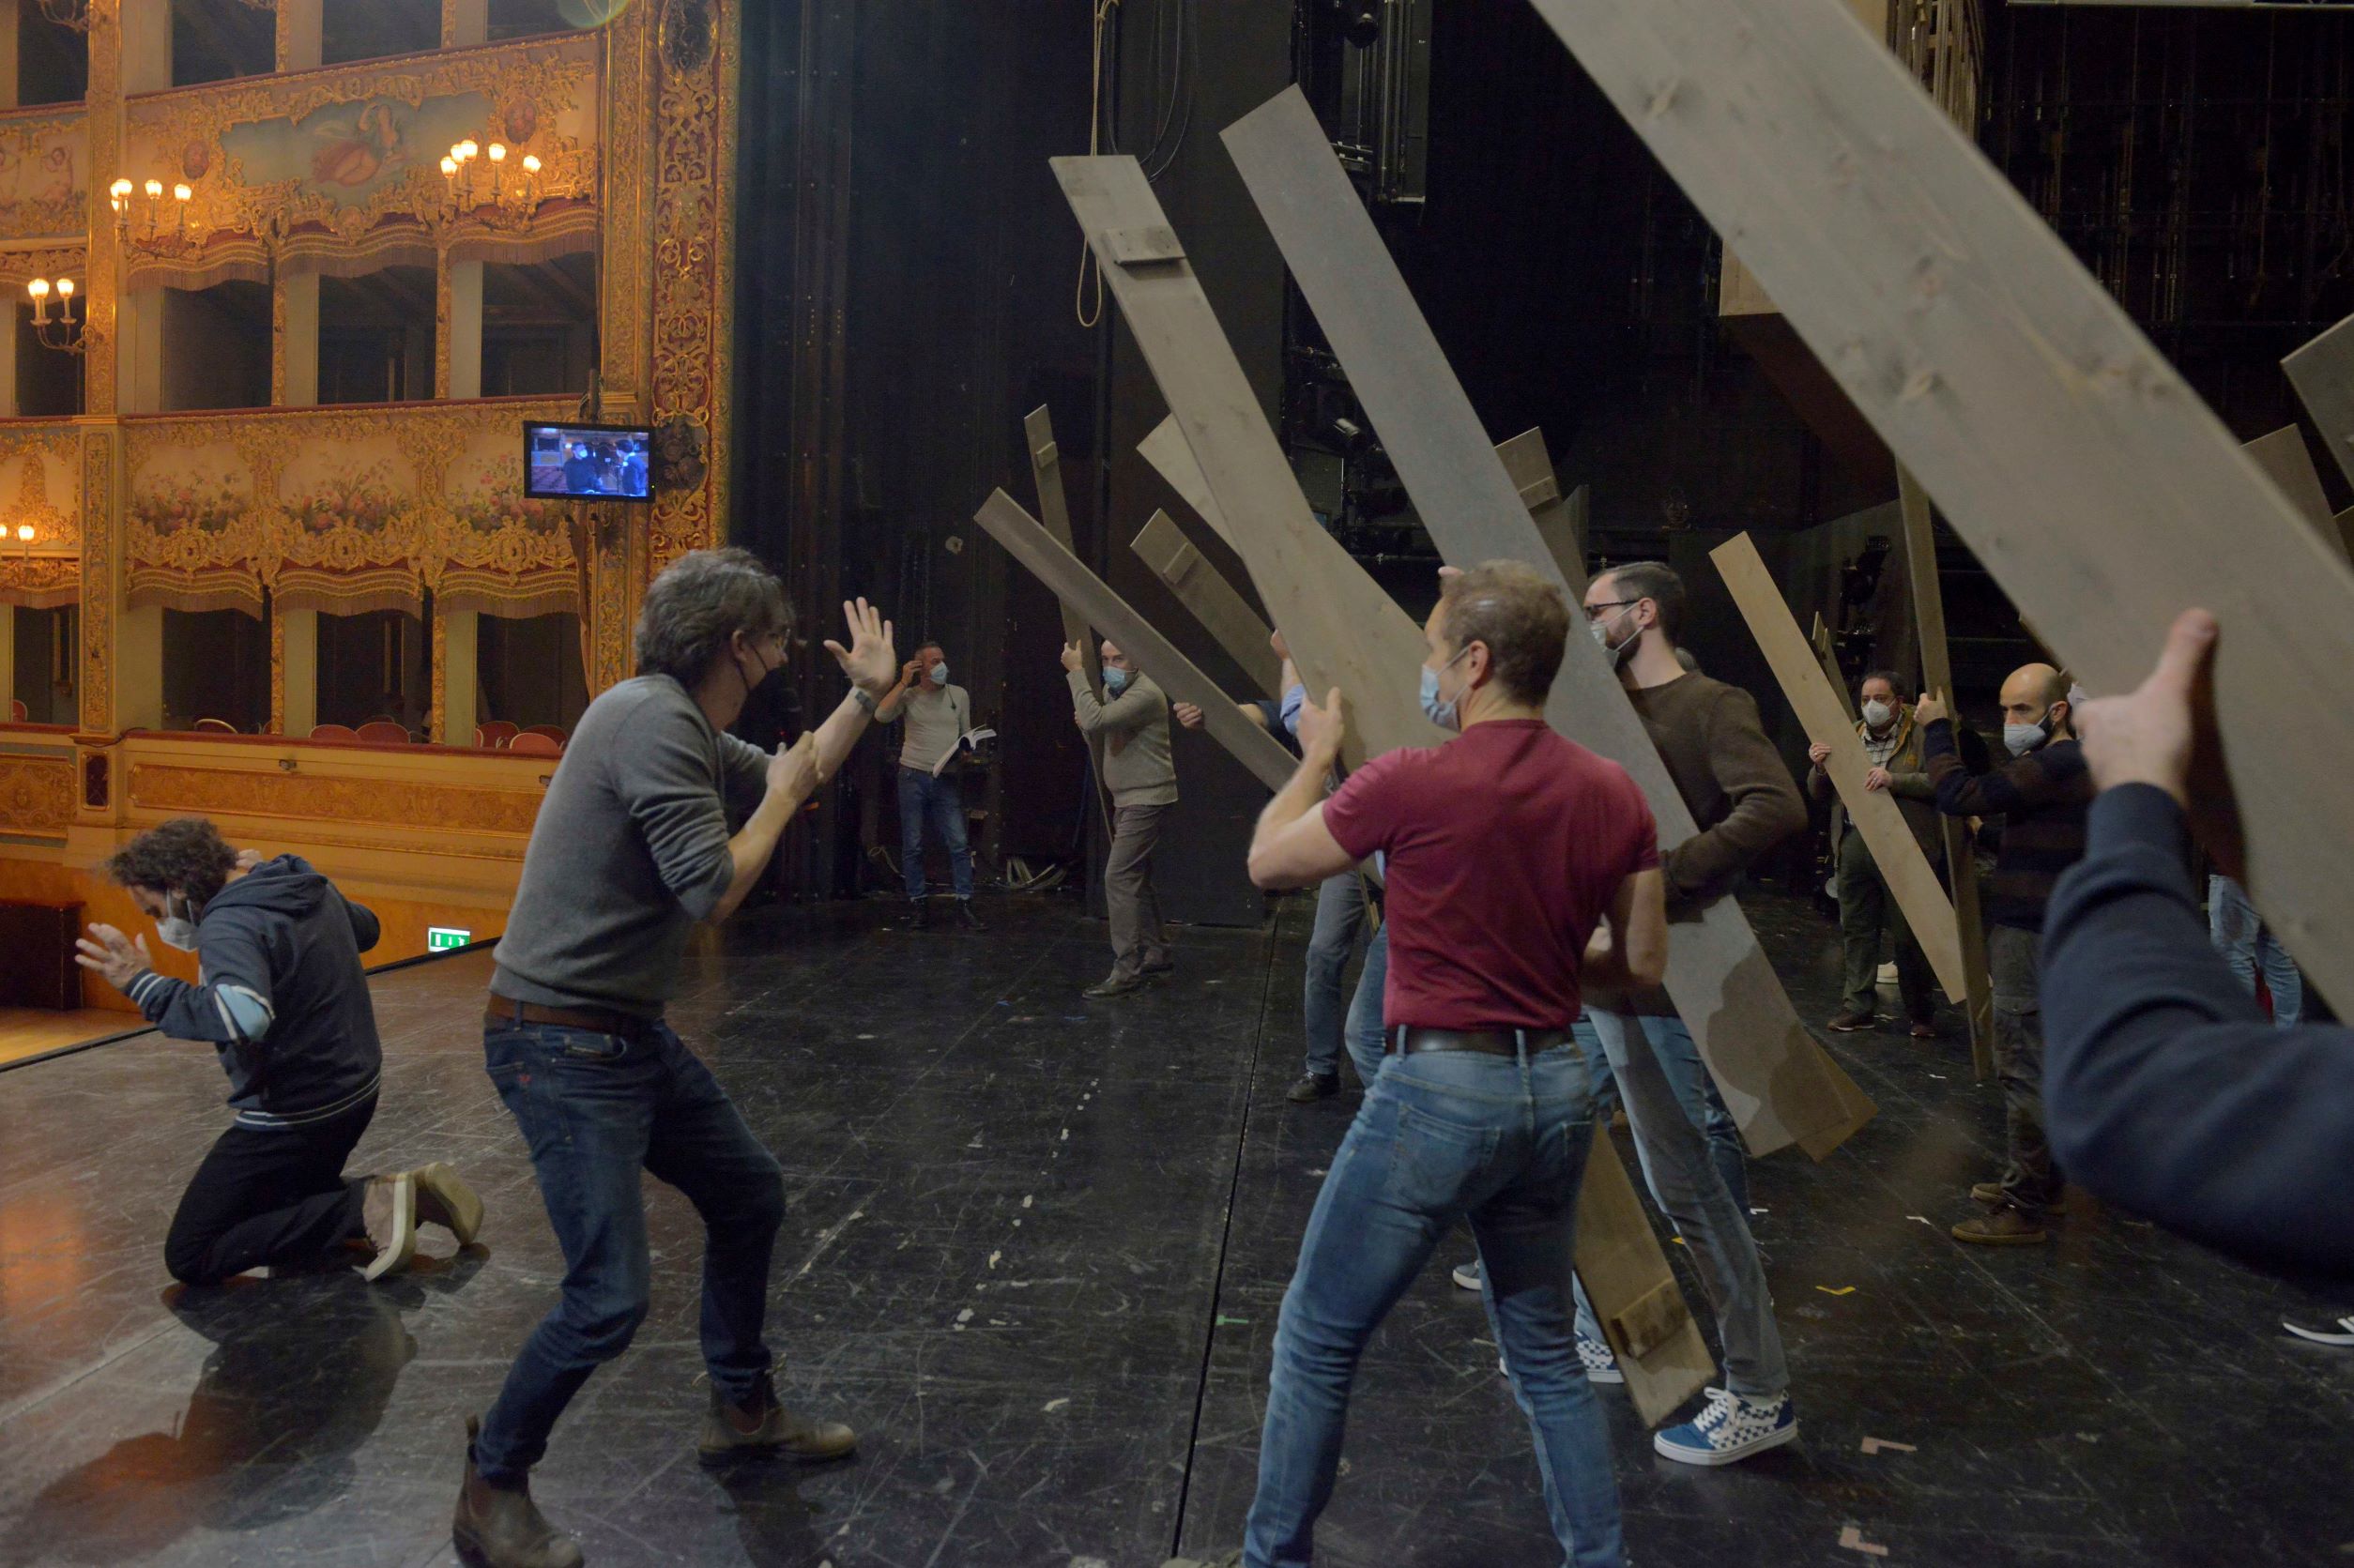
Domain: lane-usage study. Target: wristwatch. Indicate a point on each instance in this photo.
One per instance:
(864, 699)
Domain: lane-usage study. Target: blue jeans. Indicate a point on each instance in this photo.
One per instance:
(1339, 916)
(940, 801)
(1363, 1032)
(1687, 1075)
(1441, 1137)
(2248, 944)
(595, 1108)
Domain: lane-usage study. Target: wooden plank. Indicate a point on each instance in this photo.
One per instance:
(1936, 675)
(2323, 373)
(1775, 1077)
(1645, 1319)
(1054, 511)
(1029, 542)
(1826, 645)
(1343, 631)
(1909, 878)
(2285, 461)
(1560, 519)
(1222, 611)
(2083, 471)
(1165, 448)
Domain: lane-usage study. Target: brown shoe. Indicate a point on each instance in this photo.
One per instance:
(767, 1428)
(500, 1526)
(2007, 1227)
(1924, 1029)
(1852, 1022)
(443, 1198)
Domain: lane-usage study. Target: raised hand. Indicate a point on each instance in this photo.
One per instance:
(869, 660)
(1073, 659)
(113, 957)
(1188, 714)
(1819, 753)
(1931, 708)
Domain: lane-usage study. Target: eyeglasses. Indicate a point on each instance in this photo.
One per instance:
(1593, 611)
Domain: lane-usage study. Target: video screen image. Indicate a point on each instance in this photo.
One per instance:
(588, 461)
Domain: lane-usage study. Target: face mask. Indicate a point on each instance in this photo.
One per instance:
(2022, 738)
(1600, 632)
(768, 674)
(1115, 681)
(1877, 714)
(939, 673)
(1440, 711)
(178, 930)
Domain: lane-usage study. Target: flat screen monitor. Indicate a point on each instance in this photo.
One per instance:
(588, 462)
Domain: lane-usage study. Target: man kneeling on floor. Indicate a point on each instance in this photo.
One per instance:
(282, 997)
(1505, 848)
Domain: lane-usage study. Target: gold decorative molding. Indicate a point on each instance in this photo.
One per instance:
(392, 803)
(37, 794)
(276, 675)
(99, 523)
(626, 329)
(103, 101)
(436, 712)
(19, 268)
(692, 191)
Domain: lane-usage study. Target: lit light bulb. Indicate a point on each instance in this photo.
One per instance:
(182, 192)
(65, 288)
(466, 148)
(450, 167)
(37, 288)
(155, 189)
(120, 187)
(498, 152)
(531, 163)
(24, 532)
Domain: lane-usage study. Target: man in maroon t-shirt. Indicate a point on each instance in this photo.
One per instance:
(1505, 849)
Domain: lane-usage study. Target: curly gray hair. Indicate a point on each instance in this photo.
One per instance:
(699, 604)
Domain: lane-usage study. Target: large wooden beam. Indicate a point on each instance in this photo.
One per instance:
(1911, 880)
(2080, 467)
(1779, 1084)
(2286, 461)
(1054, 513)
(1029, 543)
(2323, 373)
(1215, 602)
(1343, 632)
(1936, 675)
(1560, 519)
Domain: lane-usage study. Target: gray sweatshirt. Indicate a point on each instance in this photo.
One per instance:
(1135, 730)
(630, 850)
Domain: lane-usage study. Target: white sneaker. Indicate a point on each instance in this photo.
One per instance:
(1466, 1275)
(1601, 1366)
(2340, 1333)
(1731, 1427)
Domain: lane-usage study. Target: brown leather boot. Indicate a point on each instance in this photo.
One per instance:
(500, 1526)
(767, 1427)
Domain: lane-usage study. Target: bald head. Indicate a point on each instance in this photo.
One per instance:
(2033, 690)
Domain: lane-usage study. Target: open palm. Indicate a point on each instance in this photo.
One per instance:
(870, 660)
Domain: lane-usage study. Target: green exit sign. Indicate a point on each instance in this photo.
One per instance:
(441, 938)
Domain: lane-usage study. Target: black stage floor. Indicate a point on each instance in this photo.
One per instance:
(1035, 1252)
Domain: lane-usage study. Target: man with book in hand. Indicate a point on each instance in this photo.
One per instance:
(934, 717)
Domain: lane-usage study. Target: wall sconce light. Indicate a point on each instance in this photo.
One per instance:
(62, 331)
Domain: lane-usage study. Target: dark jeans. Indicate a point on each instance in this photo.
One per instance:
(2031, 1181)
(269, 1196)
(595, 1108)
(1339, 916)
(1865, 905)
(1442, 1137)
(941, 803)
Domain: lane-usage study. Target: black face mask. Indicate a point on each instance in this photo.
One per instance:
(752, 689)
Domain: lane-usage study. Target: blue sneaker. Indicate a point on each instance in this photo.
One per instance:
(1731, 1428)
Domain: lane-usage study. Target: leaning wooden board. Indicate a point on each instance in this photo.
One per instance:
(2078, 465)
(1214, 602)
(1345, 633)
(1936, 675)
(1045, 467)
(1029, 543)
(2323, 373)
(2285, 461)
(1776, 1078)
(1911, 880)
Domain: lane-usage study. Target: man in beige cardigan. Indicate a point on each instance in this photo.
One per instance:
(1132, 719)
(1893, 743)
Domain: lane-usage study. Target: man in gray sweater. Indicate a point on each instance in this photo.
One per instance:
(632, 850)
(1133, 721)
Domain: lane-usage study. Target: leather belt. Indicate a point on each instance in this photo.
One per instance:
(506, 1012)
(1408, 1040)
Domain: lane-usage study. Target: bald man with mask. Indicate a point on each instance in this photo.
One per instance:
(2041, 793)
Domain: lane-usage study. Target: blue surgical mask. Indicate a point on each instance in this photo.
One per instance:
(1440, 711)
(939, 672)
(1115, 681)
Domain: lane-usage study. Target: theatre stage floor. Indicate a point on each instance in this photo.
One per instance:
(1035, 1252)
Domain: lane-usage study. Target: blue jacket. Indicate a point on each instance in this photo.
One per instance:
(280, 994)
(2164, 1090)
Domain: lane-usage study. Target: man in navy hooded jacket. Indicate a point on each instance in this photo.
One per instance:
(282, 997)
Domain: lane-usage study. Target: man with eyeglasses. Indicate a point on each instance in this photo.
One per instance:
(1745, 802)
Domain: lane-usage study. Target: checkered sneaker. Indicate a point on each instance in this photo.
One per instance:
(1730, 1428)
(1601, 1366)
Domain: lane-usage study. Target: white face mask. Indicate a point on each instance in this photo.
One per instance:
(1877, 714)
(939, 672)
(177, 925)
(2019, 739)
